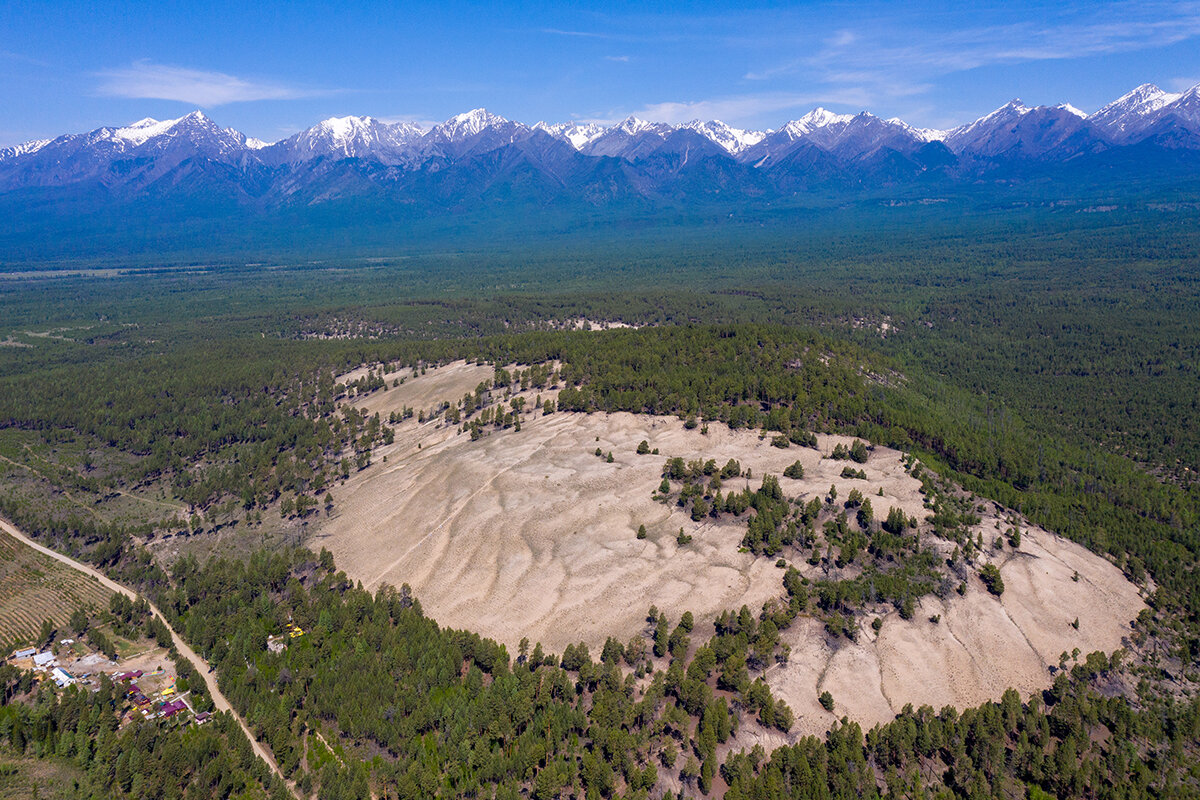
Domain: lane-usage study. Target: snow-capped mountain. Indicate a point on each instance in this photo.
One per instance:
(463, 126)
(845, 136)
(814, 120)
(134, 155)
(1129, 114)
(627, 138)
(345, 137)
(1176, 120)
(1016, 130)
(578, 135)
(23, 149)
(342, 156)
(476, 131)
(732, 140)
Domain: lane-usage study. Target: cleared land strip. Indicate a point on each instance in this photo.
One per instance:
(199, 663)
(34, 588)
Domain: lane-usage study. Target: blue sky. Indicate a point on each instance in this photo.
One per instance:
(271, 69)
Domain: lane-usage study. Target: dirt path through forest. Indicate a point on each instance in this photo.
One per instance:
(202, 667)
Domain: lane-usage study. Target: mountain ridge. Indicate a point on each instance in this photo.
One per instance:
(480, 157)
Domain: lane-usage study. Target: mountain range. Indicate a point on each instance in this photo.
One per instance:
(478, 157)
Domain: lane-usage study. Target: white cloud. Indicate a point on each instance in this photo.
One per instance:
(843, 38)
(621, 59)
(1121, 27)
(147, 80)
(578, 34)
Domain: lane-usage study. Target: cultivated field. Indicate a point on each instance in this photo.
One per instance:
(529, 533)
(35, 587)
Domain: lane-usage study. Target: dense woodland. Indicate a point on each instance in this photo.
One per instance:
(414, 710)
(1047, 364)
(144, 759)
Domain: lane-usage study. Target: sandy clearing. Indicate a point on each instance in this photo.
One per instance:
(530, 534)
(981, 645)
(449, 382)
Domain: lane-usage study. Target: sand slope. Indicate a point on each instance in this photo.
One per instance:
(530, 534)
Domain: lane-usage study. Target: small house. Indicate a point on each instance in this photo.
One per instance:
(62, 677)
(43, 659)
(26, 653)
(172, 708)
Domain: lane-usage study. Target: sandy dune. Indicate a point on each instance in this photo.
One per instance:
(980, 646)
(530, 534)
(449, 383)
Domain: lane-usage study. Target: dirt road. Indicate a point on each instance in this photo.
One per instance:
(201, 666)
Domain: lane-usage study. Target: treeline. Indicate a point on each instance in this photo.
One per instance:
(450, 713)
(1072, 742)
(412, 709)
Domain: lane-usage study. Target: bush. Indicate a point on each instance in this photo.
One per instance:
(795, 471)
(826, 701)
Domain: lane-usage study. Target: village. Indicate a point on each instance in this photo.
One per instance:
(150, 686)
(152, 689)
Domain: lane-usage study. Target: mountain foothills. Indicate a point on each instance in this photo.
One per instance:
(478, 155)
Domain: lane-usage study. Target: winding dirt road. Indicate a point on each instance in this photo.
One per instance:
(201, 666)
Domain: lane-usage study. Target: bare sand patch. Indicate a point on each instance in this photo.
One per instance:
(446, 383)
(529, 534)
(980, 645)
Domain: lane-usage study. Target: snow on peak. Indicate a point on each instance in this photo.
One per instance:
(467, 124)
(23, 149)
(817, 118)
(1014, 106)
(256, 144)
(578, 135)
(344, 129)
(353, 137)
(143, 130)
(1143, 100)
(1131, 112)
(924, 134)
(733, 140)
(632, 124)
(1070, 109)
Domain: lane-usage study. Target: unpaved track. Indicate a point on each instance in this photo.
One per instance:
(202, 666)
